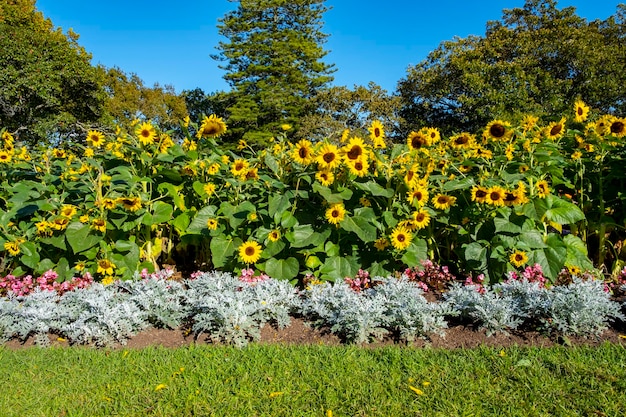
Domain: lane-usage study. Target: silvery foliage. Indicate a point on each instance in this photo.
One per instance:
(101, 315)
(490, 310)
(396, 305)
(160, 299)
(33, 315)
(231, 311)
(582, 308)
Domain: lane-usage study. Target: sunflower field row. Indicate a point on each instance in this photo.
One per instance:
(490, 202)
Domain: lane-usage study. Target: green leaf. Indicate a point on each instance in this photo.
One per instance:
(336, 268)
(272, 164)
(459, 184)
(561, 211)
(329, 196)
(80, 237)
(56, 241)
(222, 248)
(30, 255)
(199, 222)
(365, 230)
(551, 258)
(282, 269)
(174, 192)
(161, 212)
(415, 253)
(374, 189)
(278, 204)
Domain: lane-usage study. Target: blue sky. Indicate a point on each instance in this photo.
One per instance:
(170, 42)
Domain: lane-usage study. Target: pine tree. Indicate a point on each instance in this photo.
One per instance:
(273, 59)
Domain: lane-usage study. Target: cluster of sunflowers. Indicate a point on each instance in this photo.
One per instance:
(489, 203)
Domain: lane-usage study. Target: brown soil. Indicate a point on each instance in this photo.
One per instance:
(301, 333)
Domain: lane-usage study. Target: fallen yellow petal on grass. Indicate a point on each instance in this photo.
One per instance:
(416, 390)
(160, 387)
(329, 413)
(275, 394)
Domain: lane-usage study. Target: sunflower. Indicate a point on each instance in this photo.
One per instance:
(239, 168)
(377, 134)
(109, 203)
(495, 196)
(336, 213)
(12, 247)
(417, 140)
(328, 157)
(99, 225)
(432, 133)
(84, 218)
(543, 189)
(59, 153)
(417, 196)
(68, 211)
(443, 201)
(401, 238)
(60, 223)
(603, 125)
(462, 140)
(479, 194)
(618, 127)
(581, 111)
(518, 258)
(358, 167)
(5, 157)
(381, 243)
(326, 178)
(146, 133)
(302, 152)
(249, 252)
(130, 203)
(209, 188)
(211, 127)
(105, 267)
(274, 235)
(354, 149)
(576, 155)
(211, 224)
(252, 174)
(421, 219)
(555, 130)
(528, 122)
(95, 138)
(498, 130)
(511, 198)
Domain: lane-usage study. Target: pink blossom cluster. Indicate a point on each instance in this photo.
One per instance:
(430, 276)
(531, 274)
(479, 283)
(360, 282)
(47, 282)
(165, 273)
(247, 276)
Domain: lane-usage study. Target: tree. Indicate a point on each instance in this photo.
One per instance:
(537, 59)
(273, 58)
(200, 104)
(129, 99)
(339, 108)
(47, 84)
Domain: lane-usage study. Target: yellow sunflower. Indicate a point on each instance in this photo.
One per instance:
(146, 133)
(432, 133)
(60, 223)
(209, 188)
(95, 138)
(12, 247)
(479, 194)
(249, 252)
(462, 140)
(498, 130)
(99, 225)
(336, 213)
(417, 140)
(417, 196)
(543, 189)
(555, 130)
(211, 127)
(581, 111)
(130, 203)
(421, 219)
(443, 201)
(302, 152)
(328, 157)
(511, 198)
(105, 267)
(495, 196)
(109, 203)
(401, 238)
(518, 258)
(354, 149)
(326, 178)
(529, 122)
(274, 235)
(239, 168)
(212, 224)
(618, 127)
(68, 211)
(377, 134)
(381, 243)
(5, 157)
(358, 167)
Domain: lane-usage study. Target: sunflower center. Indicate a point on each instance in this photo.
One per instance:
(519, 257)
(211, 130)
(495, 196)
(417, 143)
(462, 140)
(442, 200)
(579, 111)
(420, 217)
(377, 132)
(145, 133)
(509, 197)
(303, 153)
(329, 157)
(556, 130)
(617, 127)
(358, 166)
(355, 152)
(250, 251)
(401, 238)
(497, 130)
(418, 195)
(335, 214)
(481, 194)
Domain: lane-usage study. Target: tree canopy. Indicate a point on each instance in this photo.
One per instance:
(273, 63)
(537, 59)
(47, 84)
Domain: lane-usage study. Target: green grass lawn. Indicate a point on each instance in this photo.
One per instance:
(311, 380)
